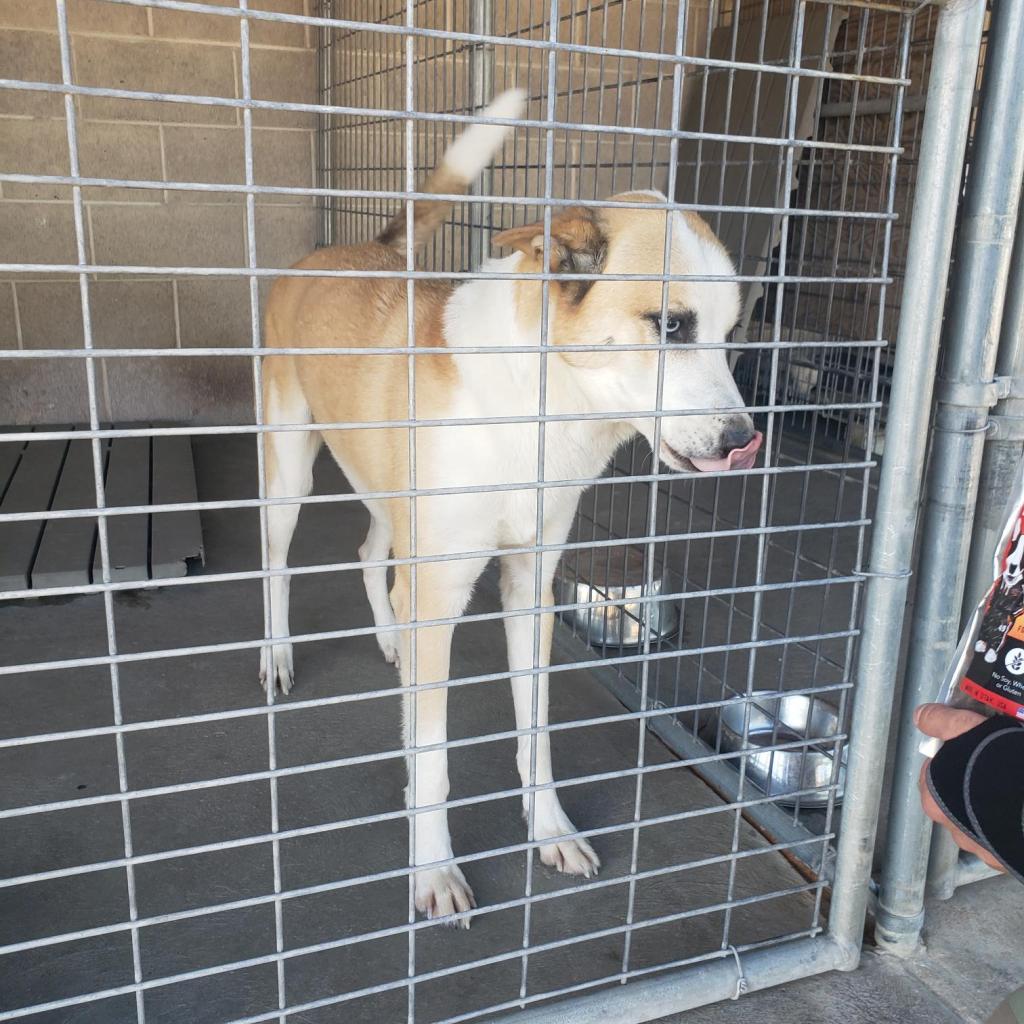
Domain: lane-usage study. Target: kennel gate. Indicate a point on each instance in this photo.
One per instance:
(394, 86)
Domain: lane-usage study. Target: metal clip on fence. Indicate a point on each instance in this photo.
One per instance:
(742, 986)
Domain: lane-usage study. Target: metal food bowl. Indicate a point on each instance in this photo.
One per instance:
(619, 578)
(773, 720)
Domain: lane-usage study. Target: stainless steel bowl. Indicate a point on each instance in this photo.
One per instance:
(774, 720)
(619, 625)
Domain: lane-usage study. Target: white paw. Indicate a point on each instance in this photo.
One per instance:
(441, 892)
(281, 673)
(980, 646)
(571, 857)
(990, 656)
(388, 644)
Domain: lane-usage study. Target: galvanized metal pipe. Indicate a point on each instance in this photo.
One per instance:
(965, 396)
(1003, 450)
(950, 95)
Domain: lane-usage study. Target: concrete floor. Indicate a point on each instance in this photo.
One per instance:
(974, 958)
(181, 754)
(976, 942)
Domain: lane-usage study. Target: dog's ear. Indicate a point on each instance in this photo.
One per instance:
(578, 246)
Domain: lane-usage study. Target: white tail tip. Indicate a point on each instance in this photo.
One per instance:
(472, 151)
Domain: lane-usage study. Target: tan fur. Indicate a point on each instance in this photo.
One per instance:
(323, 312)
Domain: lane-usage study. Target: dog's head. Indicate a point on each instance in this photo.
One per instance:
(615, 314)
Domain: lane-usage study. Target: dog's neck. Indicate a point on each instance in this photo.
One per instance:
(482, 314)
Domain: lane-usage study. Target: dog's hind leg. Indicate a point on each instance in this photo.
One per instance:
(518, 589)
(375, 548)
(289, 467)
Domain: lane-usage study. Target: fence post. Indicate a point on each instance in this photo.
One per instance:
(950, 97)
(1003, 449)
(965, 396)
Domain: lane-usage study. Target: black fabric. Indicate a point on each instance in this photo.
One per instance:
(977, 778)
(995, 796)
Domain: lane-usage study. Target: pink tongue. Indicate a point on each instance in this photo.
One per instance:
(738, 458)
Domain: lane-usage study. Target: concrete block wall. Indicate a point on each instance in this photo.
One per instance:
(370, 70)
(125, 47)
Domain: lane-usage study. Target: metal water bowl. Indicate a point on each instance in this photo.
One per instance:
(625, 624)
(773, 720)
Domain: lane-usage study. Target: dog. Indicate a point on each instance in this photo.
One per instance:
(475, 466)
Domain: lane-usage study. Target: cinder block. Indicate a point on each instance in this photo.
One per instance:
(134, 313)
(178, 234)
(204, 154)
(110, 19)
(37, 233)
(284, 234)
(214, 311)
(207, 28)
(8, 318)
(50, 313)
(180, 390)
(36, 146)
(285, 76)
(268, 33)
(283, 158)
(35, 57)
(93, 16)
(151, 65)
(128, 151)
(227, 29)
(44, 391)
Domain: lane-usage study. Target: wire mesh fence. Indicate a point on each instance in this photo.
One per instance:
(180, 838)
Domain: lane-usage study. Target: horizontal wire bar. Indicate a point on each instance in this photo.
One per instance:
(426, 350)
(487, 554)
(342, 498)
(403, 872)
(424, 275)
(475, 421)
(356, 760)
(512, 42)
(315, 830)
(444, 197)
(634, 972)
(257, 961)
(403, 116)
(302, 705)
(311, 768)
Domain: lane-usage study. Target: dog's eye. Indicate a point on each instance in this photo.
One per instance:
(679, 327)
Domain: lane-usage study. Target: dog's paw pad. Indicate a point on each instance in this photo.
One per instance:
(571, 857)
(442, 892)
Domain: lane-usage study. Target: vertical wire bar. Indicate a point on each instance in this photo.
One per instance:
(652, 504)
(844, 697)
(481, 89)
(257, 379)
(410, 340)
(70, 115)
(538, 574)
(792, 92)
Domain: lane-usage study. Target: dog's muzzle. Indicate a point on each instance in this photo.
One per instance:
(738, 458)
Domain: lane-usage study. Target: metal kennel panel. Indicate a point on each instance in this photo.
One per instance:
(242, 859)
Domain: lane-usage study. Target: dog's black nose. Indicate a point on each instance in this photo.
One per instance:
(738, 434)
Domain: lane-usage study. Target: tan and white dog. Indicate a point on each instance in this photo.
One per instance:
(355, 388)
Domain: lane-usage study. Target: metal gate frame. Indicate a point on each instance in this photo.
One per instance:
(974, 456)
(949, 104)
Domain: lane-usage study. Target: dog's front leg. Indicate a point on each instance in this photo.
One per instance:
(518, 589)
(443, 890)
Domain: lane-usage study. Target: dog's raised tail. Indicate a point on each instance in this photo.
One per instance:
(463, 161)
